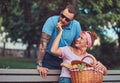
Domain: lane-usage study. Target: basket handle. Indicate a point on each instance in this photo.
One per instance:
(93, 59)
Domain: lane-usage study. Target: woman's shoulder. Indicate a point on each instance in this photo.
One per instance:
(88, 54)
(65, 48)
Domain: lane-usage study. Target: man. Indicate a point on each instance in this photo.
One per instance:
(71, 30)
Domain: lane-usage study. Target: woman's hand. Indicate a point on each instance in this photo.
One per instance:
(42, 71)
(100, 66)
(59, 26)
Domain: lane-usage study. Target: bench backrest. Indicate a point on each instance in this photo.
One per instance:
(31, 75)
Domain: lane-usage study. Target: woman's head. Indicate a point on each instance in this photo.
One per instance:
(86, 39)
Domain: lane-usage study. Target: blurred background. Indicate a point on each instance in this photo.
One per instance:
(21, 22)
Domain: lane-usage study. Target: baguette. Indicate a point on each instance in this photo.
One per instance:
(66, 65)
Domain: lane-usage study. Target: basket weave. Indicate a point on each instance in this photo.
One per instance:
(86, 76)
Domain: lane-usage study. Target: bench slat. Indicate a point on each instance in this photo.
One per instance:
(114, 72)
(112, 78)
(16, 78)
(34, 71)
(11, 78)
(25, 71)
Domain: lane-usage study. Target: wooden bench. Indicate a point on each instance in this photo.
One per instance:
(31, 75)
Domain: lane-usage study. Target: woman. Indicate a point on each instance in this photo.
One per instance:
(77, 52)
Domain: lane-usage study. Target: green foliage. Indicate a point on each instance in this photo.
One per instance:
(1, 20)
(99, 12)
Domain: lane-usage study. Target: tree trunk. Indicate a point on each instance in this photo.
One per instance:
(3, 49)
(27, 10)
(74, 2)
(26, 5)
(28, 51)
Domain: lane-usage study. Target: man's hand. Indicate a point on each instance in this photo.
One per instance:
(42, 71)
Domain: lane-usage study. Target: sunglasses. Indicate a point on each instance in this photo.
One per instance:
(63, 16)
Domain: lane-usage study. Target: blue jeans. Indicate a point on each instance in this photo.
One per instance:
(65, 80)
(51, 61)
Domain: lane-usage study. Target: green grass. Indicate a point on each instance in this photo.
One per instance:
(17, 63)
(22, 63)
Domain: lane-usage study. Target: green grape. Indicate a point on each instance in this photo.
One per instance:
(81, 66)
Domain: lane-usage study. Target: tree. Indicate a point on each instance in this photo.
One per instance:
(94, 14)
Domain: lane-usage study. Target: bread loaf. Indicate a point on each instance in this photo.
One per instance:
(63, 64)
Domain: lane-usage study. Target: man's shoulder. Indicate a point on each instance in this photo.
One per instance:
(54, 17)
(75, 21)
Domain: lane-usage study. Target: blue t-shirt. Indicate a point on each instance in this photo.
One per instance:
(70, 32)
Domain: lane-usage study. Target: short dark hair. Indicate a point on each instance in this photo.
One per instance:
(71, 9)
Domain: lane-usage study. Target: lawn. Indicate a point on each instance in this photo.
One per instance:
(22, 63)
(13, 62)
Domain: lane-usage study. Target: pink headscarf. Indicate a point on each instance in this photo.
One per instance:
(89, 40)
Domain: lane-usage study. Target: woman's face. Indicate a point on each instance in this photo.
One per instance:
(81, 41)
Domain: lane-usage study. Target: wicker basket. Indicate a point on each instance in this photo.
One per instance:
(85, 76)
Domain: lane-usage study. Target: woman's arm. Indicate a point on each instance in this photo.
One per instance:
(99, 65)
(55, 49)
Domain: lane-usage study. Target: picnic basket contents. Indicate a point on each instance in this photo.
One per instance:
(83, 72)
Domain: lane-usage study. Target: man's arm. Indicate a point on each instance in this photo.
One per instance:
(42, 47)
